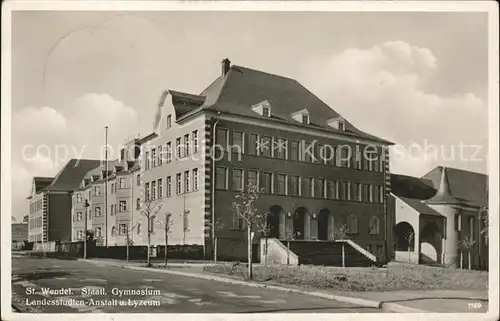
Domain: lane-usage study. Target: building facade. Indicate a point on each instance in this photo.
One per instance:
(442, 211)
(124, 193)
(51, 204)
(317, 170)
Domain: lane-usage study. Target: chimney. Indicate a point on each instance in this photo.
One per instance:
(226, 64)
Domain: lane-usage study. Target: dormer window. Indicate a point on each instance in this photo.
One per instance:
(263, 108)
(337, 123)
(301, 116)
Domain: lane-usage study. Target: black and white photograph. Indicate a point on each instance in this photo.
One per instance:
(279, 159)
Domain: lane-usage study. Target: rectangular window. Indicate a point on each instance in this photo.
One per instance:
(186, 182)
(111, 208)
(168, 151)
(471, 226)
(238, 141)
(153, 156)
(153, 190)
(370, 193)
(237, 179)
(267, 182)
(97, 232)
(266, 146)
(253, 177)
(138, 203)
(282, 148)
(381, 164)
(122, 229)
(195, 141)
(138, 179)
(222, 138)
(97, 211)
(147, 191)
(97, 191)
(160, 155)
(253, 140)
(357, 159)
(78, 198)
(376, 161)
(357, 192)
(321, 188)
(332, 194)
(307, 151)
(381, 194)
(344, 191)
(178, 147)
(186, 145)
(307, 186)
(160, 188)
(295, 186)
(374, 227)
(352, 224)
(305, 119)
(123, 206)
(169, 186)
(221, 178)
(178, 183)
(78, 216)
(146, 160)
(281, 184)
(169, 121)
(195, 179)
(112, 189)
(266, 111)
(122, 183)
(237, 221)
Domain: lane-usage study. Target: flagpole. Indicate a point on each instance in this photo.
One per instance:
(106, 186)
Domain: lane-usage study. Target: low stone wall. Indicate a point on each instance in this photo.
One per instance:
(404, 256)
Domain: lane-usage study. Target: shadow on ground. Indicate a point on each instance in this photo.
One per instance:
(40, 275)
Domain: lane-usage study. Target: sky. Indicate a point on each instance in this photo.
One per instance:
(416, 79)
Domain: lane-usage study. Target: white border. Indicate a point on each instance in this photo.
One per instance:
(443, 6)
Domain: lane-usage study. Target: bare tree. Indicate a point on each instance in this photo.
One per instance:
(265, 234)
(150, 209)
(410, 237)
(128, 241)
(466, 245)
(341, 234)
(245, 207)
(484, 217)
(165, 222)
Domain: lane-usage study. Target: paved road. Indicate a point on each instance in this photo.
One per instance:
(163, 293)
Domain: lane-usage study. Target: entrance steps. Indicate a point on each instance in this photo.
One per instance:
(315, 252)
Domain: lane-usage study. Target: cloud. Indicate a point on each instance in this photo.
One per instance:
(45, 139)
(381, 91)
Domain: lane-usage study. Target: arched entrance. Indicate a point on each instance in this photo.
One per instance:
(299, 223)
(273, 220)
(404, 236)
(323, 224)
(430, 243)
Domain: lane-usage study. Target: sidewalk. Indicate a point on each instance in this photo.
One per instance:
(433, 301)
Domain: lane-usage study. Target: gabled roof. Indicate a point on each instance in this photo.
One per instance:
(71, 175)
(42, 182)
(419, 206)
(411, 187)
(467, 187)
(241, 88)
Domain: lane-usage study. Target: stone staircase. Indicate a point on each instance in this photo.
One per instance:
(327, 253)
